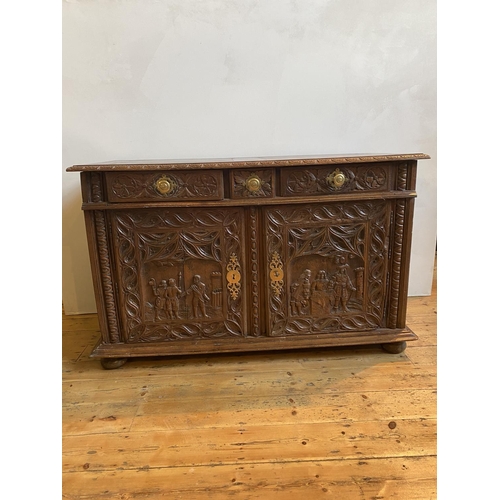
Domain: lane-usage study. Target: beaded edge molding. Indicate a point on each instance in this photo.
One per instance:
(247, 163)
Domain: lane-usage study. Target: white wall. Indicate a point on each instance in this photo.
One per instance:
(186, 78)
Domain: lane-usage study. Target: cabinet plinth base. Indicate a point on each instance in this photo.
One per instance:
(388, 339)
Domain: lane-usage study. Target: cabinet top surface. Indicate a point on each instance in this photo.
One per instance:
(251, 162)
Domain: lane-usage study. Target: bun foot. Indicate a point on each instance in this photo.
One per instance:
(113, 363)
(394, 347)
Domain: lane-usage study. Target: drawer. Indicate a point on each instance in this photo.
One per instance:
(330, 179)
(252, 183)
(164, 185)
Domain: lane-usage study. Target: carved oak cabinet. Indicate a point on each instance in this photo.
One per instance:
(208, 256)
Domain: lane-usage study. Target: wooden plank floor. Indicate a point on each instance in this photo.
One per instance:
(326, 423)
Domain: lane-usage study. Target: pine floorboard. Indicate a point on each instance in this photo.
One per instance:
(345, 423)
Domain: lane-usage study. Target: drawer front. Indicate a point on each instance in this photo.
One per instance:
(164, 186)
(252, 183)
(331, 179)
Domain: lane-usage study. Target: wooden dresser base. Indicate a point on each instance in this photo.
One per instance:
(241, 255)
(115, 355)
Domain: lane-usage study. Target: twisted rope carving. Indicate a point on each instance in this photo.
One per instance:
(396, 262)
(95, 180)
(107, 282)
(402, 176)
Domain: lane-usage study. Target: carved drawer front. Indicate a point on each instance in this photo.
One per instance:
(180, 273)
(327, 267)
(164, 185)
(252, 183)
(331, 179)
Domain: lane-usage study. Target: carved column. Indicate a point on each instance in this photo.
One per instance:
(254, 273)
(397, 248)
(106, 276)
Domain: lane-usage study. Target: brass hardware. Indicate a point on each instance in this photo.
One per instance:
(233, 276)
(336, 179)
(165, 185)
(276, 274)
(253, 183)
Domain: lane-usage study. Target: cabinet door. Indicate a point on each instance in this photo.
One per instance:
(179, 273)
(327, 267)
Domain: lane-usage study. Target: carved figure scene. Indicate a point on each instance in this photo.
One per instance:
(199, 297)
(167, 295)
(335, 288)
(173, 301)
(180, 272)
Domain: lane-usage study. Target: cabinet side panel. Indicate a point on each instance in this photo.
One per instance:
(98, 243)
(407, 238)
(401, 246)
(97, 239)
(405, 263)
(106, 279)
(412, 175)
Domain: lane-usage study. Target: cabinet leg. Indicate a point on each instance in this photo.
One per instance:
(394, 347)
(112, 363)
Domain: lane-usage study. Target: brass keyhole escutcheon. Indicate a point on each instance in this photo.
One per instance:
(164, 185)
(253, 183)
(276, 274)
(336, 179)
(233, 276)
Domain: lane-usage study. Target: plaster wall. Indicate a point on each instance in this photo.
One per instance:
(186, 78)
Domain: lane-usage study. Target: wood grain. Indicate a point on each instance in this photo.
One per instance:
(406, 478)
(349, 423)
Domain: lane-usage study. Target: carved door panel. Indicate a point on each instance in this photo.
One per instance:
(180, 273)
(327, 267)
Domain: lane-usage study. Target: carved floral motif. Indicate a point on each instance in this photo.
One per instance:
(312, 181)
(251, 184)
(194, 185)
(371, 178)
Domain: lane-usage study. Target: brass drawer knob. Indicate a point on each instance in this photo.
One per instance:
(165, 185)
(253, 183)
(336, 179)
